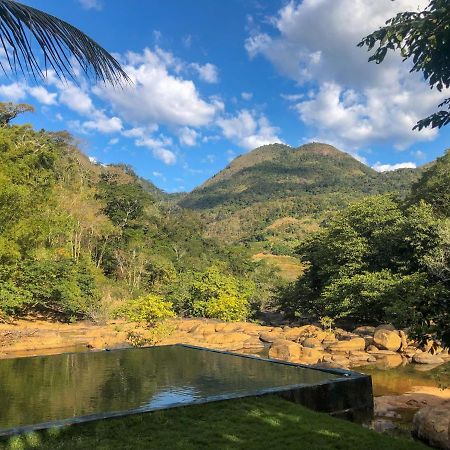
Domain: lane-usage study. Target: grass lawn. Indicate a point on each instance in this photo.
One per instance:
(254, 423)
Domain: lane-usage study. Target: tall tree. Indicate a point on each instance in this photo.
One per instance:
(424, 38)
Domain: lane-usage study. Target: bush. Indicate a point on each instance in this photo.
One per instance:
(150, 309)
(228, 308)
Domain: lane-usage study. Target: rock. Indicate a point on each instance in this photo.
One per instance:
(312, 343)
(341, 361)
(359, 356)
(432, 425)
(427, 358)
(310, 356)
(403, 339)
(253, 344)
(385, 326)
(271, 336)
(363, 331)
(387, 340)
(204, 328)
(348, 345)
(285, 350)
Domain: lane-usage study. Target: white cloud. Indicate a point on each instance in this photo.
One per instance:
(188, 136)
(158, 96)
(248, 130)
(247, 95)
(75, 98)
(158, 146)
(390, 167)
(103, 124)
(113, 141)
(351, 100)
(91, 4)
(42, 95)
(292, 97)
(93, 159)
(207, 72)
(13, 92)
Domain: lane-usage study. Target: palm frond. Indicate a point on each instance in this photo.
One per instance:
(21, 27)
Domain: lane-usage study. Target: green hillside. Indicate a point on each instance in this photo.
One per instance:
(248, 200)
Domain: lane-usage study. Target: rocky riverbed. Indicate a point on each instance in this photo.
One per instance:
(364, 348)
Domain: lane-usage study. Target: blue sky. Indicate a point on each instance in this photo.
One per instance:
(214, 79)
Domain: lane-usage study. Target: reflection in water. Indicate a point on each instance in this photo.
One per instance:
(48, 388)
(405, 379)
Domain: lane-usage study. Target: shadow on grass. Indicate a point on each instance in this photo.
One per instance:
(254, 423)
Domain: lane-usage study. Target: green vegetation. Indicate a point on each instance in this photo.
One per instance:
(255, 423)
(272, 197)
(78, 239)
(382, 259)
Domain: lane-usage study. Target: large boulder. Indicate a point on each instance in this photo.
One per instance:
(312, 342)
(310, 356)
(387, 339)
(353, 344)
(426, 358)
(271, 336)
(432, 425)
(285, 350)
(364, 331)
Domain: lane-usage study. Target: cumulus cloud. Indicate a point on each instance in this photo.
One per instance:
(188, 136)
(207, 72)
(103, 124)
(42, 95)
(249, 130)
(13, 92)
(247, 95)
(390, 167)
(158, 94)
(350, 100)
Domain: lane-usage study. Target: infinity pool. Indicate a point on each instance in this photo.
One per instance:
(39, 392)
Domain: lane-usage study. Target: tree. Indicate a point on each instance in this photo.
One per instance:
(424, 38)
(9, 111)
(57, 40)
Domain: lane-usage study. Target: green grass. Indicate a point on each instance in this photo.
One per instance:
(254, 423)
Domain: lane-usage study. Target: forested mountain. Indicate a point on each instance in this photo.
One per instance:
(276, 193)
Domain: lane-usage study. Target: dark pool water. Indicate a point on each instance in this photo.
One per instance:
(60, 387)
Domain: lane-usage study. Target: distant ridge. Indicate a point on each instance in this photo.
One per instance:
(276, 181)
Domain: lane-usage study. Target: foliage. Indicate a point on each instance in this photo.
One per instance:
(275, 195)
(57, 40)
(75, 236)
(424, 38)
(153, 336)
(434, 186)
(150, 309)
(214, 294)
(381, 259)
(9, 111)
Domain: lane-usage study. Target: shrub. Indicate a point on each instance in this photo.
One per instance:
(150, 309)
(228, 308)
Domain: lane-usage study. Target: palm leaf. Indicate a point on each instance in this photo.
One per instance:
(22, 26)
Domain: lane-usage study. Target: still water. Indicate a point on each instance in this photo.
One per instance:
(53, 388)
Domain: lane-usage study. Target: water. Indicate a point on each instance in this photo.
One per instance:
(60, 387)
(407, 378)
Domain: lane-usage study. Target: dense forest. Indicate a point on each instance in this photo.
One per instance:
(78, 239)
(382, 259)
